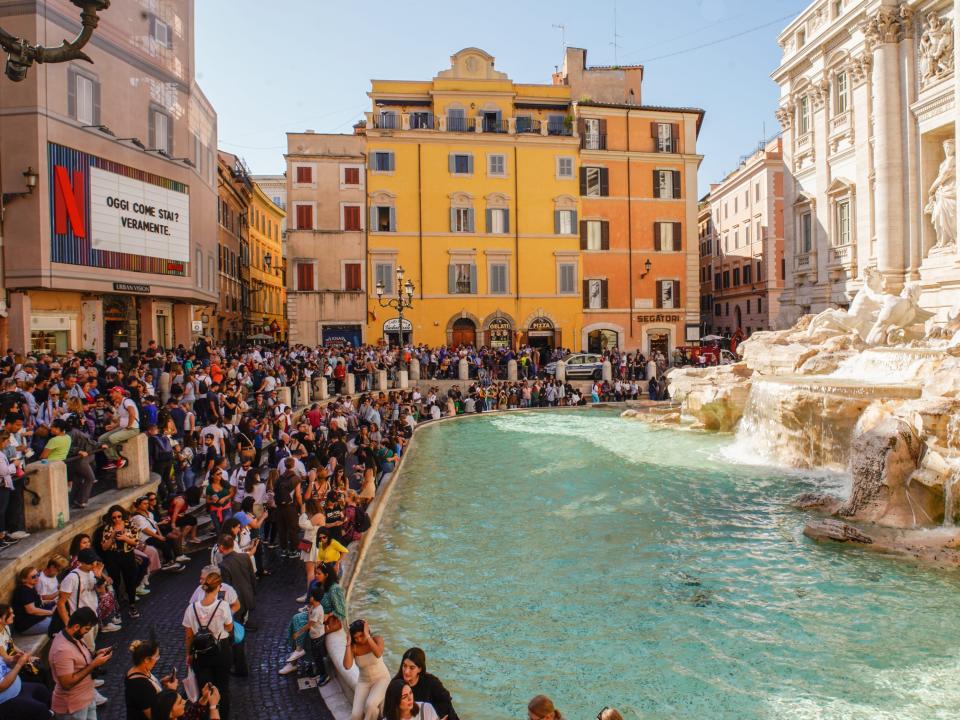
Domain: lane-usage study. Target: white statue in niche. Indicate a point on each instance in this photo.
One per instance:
(942, 202)
(936, 49)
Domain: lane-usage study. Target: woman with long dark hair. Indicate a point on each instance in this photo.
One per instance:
(399, 704)
(426, 688)
(141, 686)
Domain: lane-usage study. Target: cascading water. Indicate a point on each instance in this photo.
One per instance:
(887, 365)
(760, 431)
(949, 485)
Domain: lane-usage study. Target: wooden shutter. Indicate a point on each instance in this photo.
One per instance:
(72, 94)
(603, 134)
(304, 174)
(603, 294)
(583, 234)
(573, 220)
(585, 285)
(170, 134)
(581, 128)
(453, 219)
(675, 137)
(659, 293)
(655, 131)
(556, 222)
(656, 183)
(470, 225)
(489, 215)
(151, 126)
(373, 219)
(676, 294)
(305, 276)
(604, 182)
(676, 183)
(351, 217)
(473, 279)
(604, 235)
(583, 182)
(393, 219)
(657, 239)
(506, 220)
(304, 217)
(451, 163)
(470, 164)
(677, 238)
(96, 104)
(451, 279)
(352, 276)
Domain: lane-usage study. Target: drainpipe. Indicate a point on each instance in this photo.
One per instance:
(629, 233)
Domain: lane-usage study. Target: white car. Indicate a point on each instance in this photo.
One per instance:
(580, 365)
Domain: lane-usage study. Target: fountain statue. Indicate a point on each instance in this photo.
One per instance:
(897, 316)
(942, 203)
(860, 317)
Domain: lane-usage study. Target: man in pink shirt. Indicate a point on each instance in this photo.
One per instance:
(72, 665)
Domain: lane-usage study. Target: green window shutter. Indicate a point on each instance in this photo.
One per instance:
(506, 220)
(489, 214)
(393, 219)
(556, 222)
(573, 221)
(451, 163)
(453, 219)
(473, 279)
(451, 279)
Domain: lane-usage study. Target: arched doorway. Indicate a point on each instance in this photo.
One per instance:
(599, 341)
(658, 341)
(464, 332)
(541, 333)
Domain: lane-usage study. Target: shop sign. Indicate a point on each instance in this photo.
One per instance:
(659, 317)
(499, 332)
(393, 325)
(541, 323)
(131, 287)
(341, 335)
(196, 326)
(114, 216)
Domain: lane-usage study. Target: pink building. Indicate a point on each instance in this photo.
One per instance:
(742, 245)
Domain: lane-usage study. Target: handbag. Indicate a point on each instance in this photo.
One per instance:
(305, 546)
(239, 633)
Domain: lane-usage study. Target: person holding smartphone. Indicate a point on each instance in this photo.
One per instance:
(72, 664)
(140, 685)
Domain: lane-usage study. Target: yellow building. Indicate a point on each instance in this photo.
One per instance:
(267, 294)
(473, 190)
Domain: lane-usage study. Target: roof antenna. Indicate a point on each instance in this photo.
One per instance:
(563, 36)
(616, 36)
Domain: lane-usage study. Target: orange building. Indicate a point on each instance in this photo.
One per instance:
(638, 225)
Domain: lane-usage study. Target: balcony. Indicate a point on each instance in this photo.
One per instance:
(559, 127)
(842, 257)
(840, 122)
(595, 141)
(494, 125)
(386, 121)
(527, 126)
(461, 124)
(523, 125)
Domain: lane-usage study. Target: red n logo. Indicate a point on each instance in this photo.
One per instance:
(68, 202)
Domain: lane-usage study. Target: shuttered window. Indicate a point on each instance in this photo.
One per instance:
(383, 218)
(461, 220)
(595, 294)
(383, 275)
(351, 217)
(594, 235)
(668, 294)
(462, 279)
(594, 182)
(568, 279)
(304, 217)
(666, 137)
(498, 279)
(351, 176)
(304, 174)
(351, 276)
(498, 220)
(305, 276)
(564, 222)
(383, 161)
(460, 163)
(667, 237)
(666, 184)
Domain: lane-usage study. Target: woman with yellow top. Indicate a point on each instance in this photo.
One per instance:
(328, 549)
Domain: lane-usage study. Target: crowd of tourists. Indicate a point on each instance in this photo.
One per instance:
(238, 471)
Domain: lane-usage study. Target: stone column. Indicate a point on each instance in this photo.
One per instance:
(284, 395)
(382, 383)
(321, 391)
(415, 364)
(163, 386)
(561, 372)
(304, 394)
(49, 481)
(137, 470)
(883, 32)
(607, 371)
(463, 369)
(18, 319)
(351, 384)
(403, 378)
(512, 370)
(91, 325)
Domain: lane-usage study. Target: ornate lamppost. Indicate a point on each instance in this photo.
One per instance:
(403, 301)
(21, 54)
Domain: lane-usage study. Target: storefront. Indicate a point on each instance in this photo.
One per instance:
(500, 333)
(660, 333)
(392, 331)
(341, 335)
(542, 333)
(602, 340)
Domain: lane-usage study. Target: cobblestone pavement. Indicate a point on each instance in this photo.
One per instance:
(264, 694)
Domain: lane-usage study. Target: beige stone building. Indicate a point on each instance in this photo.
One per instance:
(742, 244)
(117, 245)
(326, 238)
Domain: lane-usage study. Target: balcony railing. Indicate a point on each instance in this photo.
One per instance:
(494, 126)
(558, 127)
(597, 141)
(421, 121)
(386, 121)
(460, 124)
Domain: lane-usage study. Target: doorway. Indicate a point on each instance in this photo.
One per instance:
(658, 341)
(599, 341)
(464, 333)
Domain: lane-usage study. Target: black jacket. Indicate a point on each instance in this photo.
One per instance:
(237, 571)
(430, 689)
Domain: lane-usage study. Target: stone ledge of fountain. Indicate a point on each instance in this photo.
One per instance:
(938, 547)
(715, 397)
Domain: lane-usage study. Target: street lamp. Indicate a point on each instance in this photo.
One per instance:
(403, 301)
(646, 269)
(21, 54)
(30, 178)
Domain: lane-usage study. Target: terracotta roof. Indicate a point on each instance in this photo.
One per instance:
(655, 108)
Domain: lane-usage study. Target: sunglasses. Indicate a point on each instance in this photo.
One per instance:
(34, 576)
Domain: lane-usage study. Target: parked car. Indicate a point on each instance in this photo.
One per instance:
(580, 365)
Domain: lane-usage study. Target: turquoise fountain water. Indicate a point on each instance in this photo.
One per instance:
(606, 562)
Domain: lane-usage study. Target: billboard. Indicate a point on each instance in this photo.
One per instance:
(112, 216)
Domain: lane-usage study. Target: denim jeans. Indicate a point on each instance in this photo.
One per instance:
(88, 713)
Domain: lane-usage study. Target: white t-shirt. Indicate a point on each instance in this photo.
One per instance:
(141, 523)
(316, 618)
(87, 582)
(124, 419)
(47, 586)
(215, 616)
(229, 595)
(426, 711)
(269, 383)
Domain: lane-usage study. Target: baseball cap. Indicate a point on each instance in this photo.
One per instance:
(87, 556)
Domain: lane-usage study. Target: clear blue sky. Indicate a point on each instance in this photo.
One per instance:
(247, 52)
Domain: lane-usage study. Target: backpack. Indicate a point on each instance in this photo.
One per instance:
(361, 522)
(204, 641)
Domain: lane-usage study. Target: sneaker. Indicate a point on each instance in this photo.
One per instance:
(98, 683)
(288, 669)
(100, 699)
(111, 466)
(302, 598)
(172, 567)
(122, 463)
(322, 680)
(134, 613)
(109, 628)
(182, 558)
(296, 655)
(19, 535)
(141, 591)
